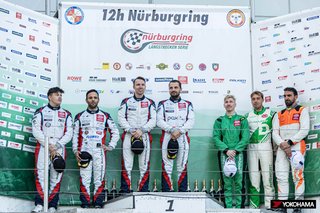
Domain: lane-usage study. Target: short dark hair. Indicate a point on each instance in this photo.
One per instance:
(54, 90)
(175, 81)
(291, 89)
(139, 78)
(90, 91)
(257, 93)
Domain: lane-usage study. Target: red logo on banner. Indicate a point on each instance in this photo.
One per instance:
(45, 60)
(32, 38)
(18, 15)
(183, 79)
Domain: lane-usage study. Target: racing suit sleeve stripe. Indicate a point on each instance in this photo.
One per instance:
(245, 136)
(122, 120)
(152, 118)
(217, 135)
(304, 127)
(276, 130)
(68, 131)
(114, 132)
(189, 121)
(161, 118)
(76, 136)
(37, 122)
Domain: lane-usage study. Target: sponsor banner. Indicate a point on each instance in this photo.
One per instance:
(166, 51)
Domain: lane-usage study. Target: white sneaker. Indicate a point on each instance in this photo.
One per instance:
(38, 208)
(52, 209)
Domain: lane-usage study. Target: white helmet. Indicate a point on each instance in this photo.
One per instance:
(230, 167)
(297, 160)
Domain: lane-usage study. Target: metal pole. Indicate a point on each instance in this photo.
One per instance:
(289, 6)
(46, 174)
(252, 11)
(47, 7)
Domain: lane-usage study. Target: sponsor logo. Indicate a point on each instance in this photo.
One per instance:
(313, 136)
(47, 69)
(74, 15)
(4, 10)
(30, 92)
(5, 134)
(96, 79)
(142, 67)
(31, 56)
(18, 15)
(128, 66)
(16, 70)
(279, 87)
(16, 52)
(42, 77)
(176, 66)
(307, 63)
(32, 139)
(117, 66)
(264, 29)
(15, 107)
(34, 103)
(313, 35)
(161, 66)
(46, 24)
(238, 80)
(32, 38)
(21, 81)
(299, 73)
(267, 99)
(118, 79)
(15, 88)
(163, 79)
(23, 26)
(3, 47)
(265, 45)
(3, 66)
(3, 104)
(28, 148)
(29, 110)
(266, 63)
(3, 85)
(35, 48)
(217, 80)
(189, 66)
(276, 34)
(5, 114)
(6, 96)
(312, 53)
(282, 59)
(315, 88)
(281, 78)
(236, 18)
(306, 204)
(316, 126)
(115, 91)
(20, 118)
(3, 123)
(263, 72)
(281, 97)
(144, 104)
(198, 91)
(15, 126)
(294, 39)
(17, 33)
(14, 145)
(280, 42)
(183, 79)
(100, 118)
(202, 67)
(297, 56)
(3, 29)
(312, 18)
(45, 42)
(20, 99)
(279, 25)
(74, 78)
(215, 66)
(199, 80)
(213, 91)
(30, 74)
(291, 49)
(266, 81)
(237, 123)
(315, 70)
(296, 21)
(3, 143)
(32, 20)
(45, 60)
(135, 40)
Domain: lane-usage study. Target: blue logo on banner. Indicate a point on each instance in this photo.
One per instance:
(31, 56)
(74, 15)
(16, 52)
(45, 78)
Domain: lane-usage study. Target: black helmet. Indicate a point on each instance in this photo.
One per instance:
(85, 159)
(58, 163)
(137, 145)
(173, 147)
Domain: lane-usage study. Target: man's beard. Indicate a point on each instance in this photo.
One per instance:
(175, 96)
(288, 103)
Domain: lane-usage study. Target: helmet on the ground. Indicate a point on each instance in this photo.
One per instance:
(85, 159)
(137, 145)
(173, 147)
(58, 163)
(230, 167)
(297, 160)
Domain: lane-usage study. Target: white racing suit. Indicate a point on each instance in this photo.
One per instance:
(290, 124)
(136, 113)
(175, 115)
(55, 123)
(260, 151)
(90, 135)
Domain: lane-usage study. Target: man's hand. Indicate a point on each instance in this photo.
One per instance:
(231, 153)
(107, 148)
(175, 134)
(77, 154)
(284, 145)
(288, 152)
(137, 133)
(52, 150)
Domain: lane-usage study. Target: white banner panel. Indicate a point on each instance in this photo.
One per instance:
(105, 46)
